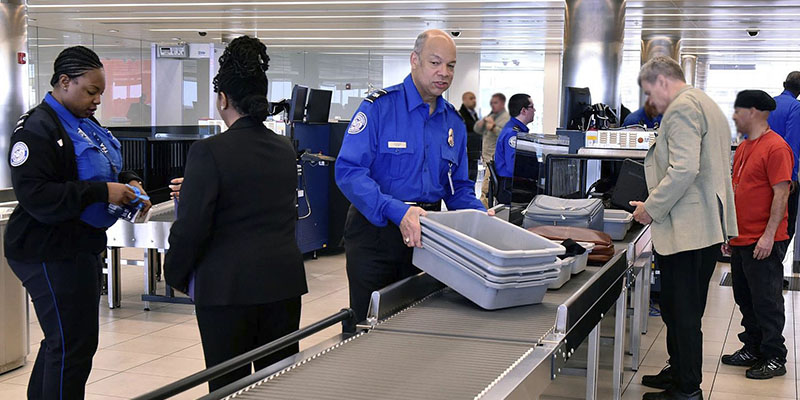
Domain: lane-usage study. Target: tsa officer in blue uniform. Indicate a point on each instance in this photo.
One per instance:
(520, 107)
(785, 121)
(65, 169)
(404, 151)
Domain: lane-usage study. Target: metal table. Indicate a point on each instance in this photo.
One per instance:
(153, 238)
(421, 340)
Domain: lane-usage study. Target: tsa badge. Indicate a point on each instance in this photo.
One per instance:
(450, 140)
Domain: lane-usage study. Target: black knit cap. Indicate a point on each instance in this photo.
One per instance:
(757, 99)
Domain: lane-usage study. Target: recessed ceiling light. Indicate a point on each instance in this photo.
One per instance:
(176, 38)
(113, 31)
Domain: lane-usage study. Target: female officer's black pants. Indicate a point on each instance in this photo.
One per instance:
(66, 298)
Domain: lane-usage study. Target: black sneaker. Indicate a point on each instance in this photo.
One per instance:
(766, 369)
(671, 394)
(663, 380)
(741, 358)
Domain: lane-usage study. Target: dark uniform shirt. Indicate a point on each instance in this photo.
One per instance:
(785, 121)
(639, 117)
(98, 155)
(395, 151)
(47, 225)
(506, 149)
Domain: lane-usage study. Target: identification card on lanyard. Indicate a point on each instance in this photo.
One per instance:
(102, 146)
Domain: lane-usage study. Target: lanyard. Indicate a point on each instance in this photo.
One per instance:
(103, 148)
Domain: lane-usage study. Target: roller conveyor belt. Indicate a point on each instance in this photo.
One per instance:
(422, 367)
(447, 313)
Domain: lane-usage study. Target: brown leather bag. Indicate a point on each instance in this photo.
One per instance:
(603, 244)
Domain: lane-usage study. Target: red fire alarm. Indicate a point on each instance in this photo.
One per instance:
(21, 58)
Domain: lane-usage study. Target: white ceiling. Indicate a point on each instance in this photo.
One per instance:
(710, 28)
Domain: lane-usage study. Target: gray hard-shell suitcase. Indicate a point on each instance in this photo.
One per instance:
(549, 210)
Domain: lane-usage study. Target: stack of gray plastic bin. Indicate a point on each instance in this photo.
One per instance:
(493, 263)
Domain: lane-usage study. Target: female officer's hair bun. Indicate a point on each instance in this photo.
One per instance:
(242, 76)
(74, 62)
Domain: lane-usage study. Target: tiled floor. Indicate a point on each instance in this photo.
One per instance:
(140, 351)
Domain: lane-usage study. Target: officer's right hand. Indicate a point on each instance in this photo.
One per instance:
(119, 193)
(409, 227)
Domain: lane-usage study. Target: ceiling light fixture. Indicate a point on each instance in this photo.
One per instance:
(269, 3)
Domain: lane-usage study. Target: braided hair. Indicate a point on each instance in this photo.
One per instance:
(74, 62)
(242, 76)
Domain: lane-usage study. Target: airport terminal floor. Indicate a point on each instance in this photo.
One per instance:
(141, 351)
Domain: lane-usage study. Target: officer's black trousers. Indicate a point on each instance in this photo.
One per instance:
(794, 197)
(758, 290)
(684, 288)
(228, 331)
(66, 298)
(376, 258)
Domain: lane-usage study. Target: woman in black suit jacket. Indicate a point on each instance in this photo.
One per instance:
(232, 247)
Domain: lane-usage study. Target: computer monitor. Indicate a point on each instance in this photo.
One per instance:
(297, 106)
(575, 102)
(319, 106)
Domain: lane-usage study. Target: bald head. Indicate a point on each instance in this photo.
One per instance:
(433, 64)
(423, 37)
(468, 100)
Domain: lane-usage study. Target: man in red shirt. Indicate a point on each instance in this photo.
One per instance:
(762, 171)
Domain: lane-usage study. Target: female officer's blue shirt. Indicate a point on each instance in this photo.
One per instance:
(506, 149)
(94, 164)
(396, 151)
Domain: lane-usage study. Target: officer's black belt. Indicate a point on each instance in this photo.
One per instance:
(437, 206)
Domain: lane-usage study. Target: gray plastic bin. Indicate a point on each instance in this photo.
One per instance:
(549, 210)
(489, 271)
(616, 223)
(495, 240)
(486, 294)
(566, 273)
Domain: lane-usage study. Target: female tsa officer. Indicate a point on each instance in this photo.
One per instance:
(233, 244)
(65, 169)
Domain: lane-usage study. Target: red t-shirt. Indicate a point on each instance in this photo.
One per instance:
(758, 165)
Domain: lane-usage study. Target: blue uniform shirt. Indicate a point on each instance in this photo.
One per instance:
(506, 149)
(394, 152)
(785, 121)
(93, 163)
(640, 117)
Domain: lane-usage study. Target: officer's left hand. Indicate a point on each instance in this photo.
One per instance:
(763, 247)
(147, 203)
(640, 214)
(409, 227)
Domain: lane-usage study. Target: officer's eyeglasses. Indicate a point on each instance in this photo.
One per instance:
(529, 106)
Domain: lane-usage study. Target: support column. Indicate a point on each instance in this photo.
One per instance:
(689, 65)
(593, 41)
(14, 70)
(552, 85)
(658, 45)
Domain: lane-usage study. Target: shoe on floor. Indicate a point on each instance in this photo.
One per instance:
(662, 380)
(673, 395)
(766, 369)
(741, 358)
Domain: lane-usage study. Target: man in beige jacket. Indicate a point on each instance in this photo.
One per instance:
(691, 212)
(489, 127)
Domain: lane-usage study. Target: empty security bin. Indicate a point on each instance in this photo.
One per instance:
(616, 223)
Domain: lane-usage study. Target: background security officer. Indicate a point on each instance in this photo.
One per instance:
(64, 168)
(522, 112)
(405, 151)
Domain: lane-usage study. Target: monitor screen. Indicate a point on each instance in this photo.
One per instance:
(297, 106)
(319, 106)
(575, 102)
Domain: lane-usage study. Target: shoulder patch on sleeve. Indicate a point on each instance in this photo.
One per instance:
(19, 154)
(512, 142)
(375, 95)
(516, 129)
(358, 123)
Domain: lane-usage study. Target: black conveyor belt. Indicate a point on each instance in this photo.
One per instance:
(421, 367)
